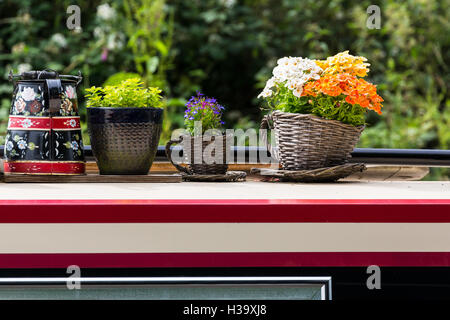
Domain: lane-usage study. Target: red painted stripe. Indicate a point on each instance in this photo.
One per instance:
(26, 123)
(216, 211)
(230, 201)
(228, 259)
(72, 123)
(31, 167)
(43, 123)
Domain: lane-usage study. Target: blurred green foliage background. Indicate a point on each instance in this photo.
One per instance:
(227, 49)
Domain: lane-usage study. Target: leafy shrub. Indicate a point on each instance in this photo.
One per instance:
(128, 94)
(117, 78)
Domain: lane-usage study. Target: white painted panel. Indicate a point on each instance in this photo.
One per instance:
(239, 190)
(224, 237)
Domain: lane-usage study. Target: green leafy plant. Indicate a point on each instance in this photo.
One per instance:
(149, 27)
(117, 78)
(329, 89)
(205, 110)
(327, 107)
(130, 93)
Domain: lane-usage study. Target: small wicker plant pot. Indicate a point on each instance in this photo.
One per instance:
(306, 142)
(203, 155)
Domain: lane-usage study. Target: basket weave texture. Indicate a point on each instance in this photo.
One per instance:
(229, 176)
(305, 141)
(329, 174)
(198, 160)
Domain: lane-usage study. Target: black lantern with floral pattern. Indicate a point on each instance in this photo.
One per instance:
(44, 134)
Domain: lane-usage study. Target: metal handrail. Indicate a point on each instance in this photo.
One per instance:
(395, 157)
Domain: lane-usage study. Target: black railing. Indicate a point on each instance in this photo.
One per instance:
(397, 157)
(410, 157)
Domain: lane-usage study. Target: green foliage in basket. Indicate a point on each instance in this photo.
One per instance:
(129, 93)
(327, 107)
(205, 111)
(332, 89)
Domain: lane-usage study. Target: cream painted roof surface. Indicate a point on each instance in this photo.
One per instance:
(239, 190)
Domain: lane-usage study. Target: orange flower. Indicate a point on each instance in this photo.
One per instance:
(343, 63)
(308, 89)
(356, 91)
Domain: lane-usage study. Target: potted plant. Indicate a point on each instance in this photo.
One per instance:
(318, 109)
(124, 124)
(205, 147)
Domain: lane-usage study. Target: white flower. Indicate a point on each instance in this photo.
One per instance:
(72, 123)
(292, 84)
(28, 94)
(70, 92)
(228, 3)
(105, 12)
(59, 40)
(115, 41)
(22, 144)
(297, 91)
(9, 146)
(283, 61)
(98, 32)
(265, 94)
(293, 73)
(18, 47)
(24, 67)
(281, 72)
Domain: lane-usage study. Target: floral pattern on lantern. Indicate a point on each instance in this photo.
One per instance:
(28, 101)
(69, 105)
(28, 94)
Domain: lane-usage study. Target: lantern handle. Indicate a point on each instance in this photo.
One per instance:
(44, 74)
(11, 76)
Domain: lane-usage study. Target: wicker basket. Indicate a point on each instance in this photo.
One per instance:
(197, 160)
(305, 141)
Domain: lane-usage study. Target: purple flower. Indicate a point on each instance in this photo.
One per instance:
(204, 109)
(104, 56)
